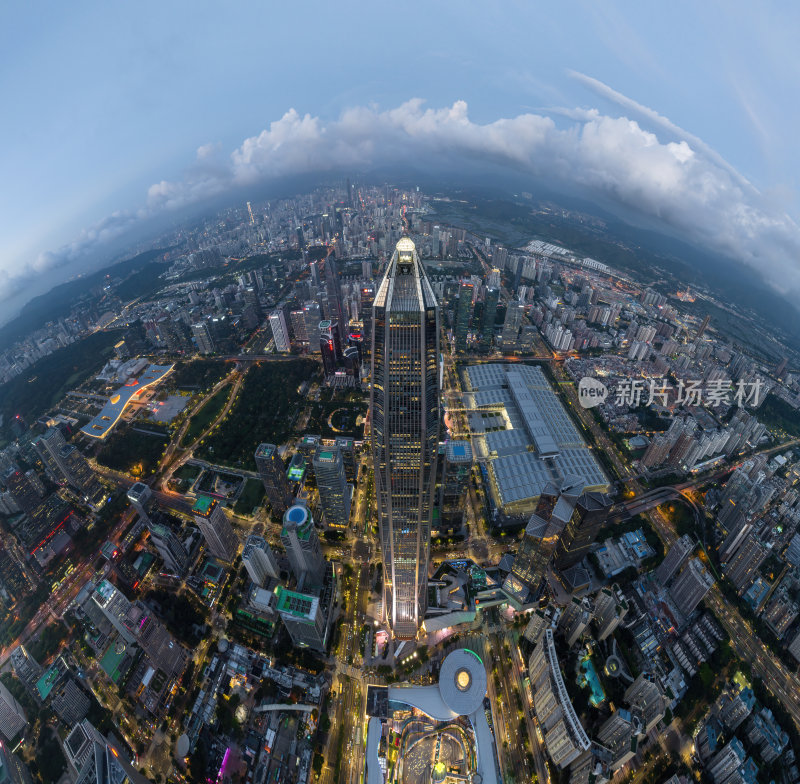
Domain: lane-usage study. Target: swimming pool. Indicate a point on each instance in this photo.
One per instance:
(589, 678)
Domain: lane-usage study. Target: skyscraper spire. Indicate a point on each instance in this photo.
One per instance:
(405, 431)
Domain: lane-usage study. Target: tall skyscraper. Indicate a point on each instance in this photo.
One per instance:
(582, 529)
(335, 494)
(489, 315)
(743, 565)
(405, 431)
(367, 300)
(304, 618)
(259, 560)
(12, 716)
(463, 313)
(202, 337)
(220, 537)
(140, 496)
(273, 475)
(313, 315)
(690, 586)
(334, 291)
(512, 324)
(280, 331)
(170, 548)
(456, 473)
(299, 538)
(674, 559)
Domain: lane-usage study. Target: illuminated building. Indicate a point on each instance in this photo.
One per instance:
(220, 537)
(405, 431)
(273, 475)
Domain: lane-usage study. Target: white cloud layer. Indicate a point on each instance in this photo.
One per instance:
(681, 181)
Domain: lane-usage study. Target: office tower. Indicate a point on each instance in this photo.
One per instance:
(48, 446)
(739, 527)
(155, 640)
(334, 292)
(352, 362)
(645, 695)
(619, 734)
(280, 331)
(12, 769)
(79, 473)
(542, 534)
(12, 717)
(734, 708)
(512, 324)
(563, 735)
(575, 618)
(335, 494)
(463, 314)
(724, 764)
(259, 560)
(690, 586)
(23, 492)
(312, 315)
(537, 623)
(220, 537)
(703, 326)
(456, 474)
(68, 700)
(610, 607)
(297, 319)
(367, 300)
(202, 337)
(140, 497)
(113, 605)
(304, 618)
(765, 734)
(307, 447)
(300, 540)
(273, 475)
(780, 612)
(674, 559)
(313, 267)
(170, 548)
(366, 269)
(582, 529)
(404, 404)
(26, 668)
(489, 315)
(328, 346)
(742, 566)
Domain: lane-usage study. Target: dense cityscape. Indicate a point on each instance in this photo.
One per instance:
(343, 488)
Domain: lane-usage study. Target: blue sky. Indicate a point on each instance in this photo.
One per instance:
(104, 100)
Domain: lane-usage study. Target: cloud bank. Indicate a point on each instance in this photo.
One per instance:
(678, 180)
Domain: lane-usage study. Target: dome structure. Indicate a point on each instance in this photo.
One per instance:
(462, 681)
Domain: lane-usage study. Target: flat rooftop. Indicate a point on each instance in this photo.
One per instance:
(104, 422)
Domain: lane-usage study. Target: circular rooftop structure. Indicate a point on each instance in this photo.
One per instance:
(405, 245)
(296, 514)
(462, 681)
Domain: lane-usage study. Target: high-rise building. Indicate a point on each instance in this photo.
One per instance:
(645, 695)
(140, 497)
(674, 559)
(48, 446)
(489, 315)
(259, 560)
(404, 405)
(690, 586)
(12, 716)
(114, 606)
(221, 539)
(367, 300)
(619, 734)
(512, 325)
(463, 314)
(329, 346)
(280, 331)
(542, 534)
(456, 473)
(79, 474)
(170, 548)
(202, 337)
(334, 291)
(610, 607)
(742, 566)
(304, 618)
(564, 736)
(12, 769)
(300, 540)
(580, 532)
(575, 618)
(335, 494)
(26, 668)
(273, 475)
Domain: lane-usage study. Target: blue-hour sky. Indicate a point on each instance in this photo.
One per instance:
(117, 112)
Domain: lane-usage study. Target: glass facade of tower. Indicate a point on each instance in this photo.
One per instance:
(405, 431)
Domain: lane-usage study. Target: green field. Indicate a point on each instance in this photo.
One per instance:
(132, 452)
(252, 495)
(205, 416)
(779, 416)
(265, 410)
